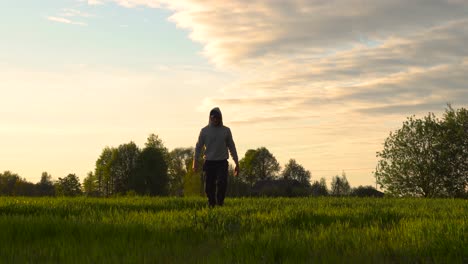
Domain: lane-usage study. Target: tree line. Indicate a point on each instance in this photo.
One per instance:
(156, 171)
(11, 184)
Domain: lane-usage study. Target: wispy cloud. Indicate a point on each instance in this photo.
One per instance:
(94, 2)
(269, 119)
(127, 3)
(65, 21)
(68, 16)
(68, 12)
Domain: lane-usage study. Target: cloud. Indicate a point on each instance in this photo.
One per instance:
(67, 12)
(66, 15)
(398, 108)
(127, 3)
(331, 57)
(423, 69)
(65, 21)
(94, 2)
(240, 31)
(269, 119)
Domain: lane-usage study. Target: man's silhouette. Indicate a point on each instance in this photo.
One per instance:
(217, 140)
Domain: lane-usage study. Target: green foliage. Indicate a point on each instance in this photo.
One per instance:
(340, 185)
(151, 173)
(68, 186)
(236, 187)
(366, 191)
(127, 169)
(280, 188)
(247, 163)
(194, 184)
(11, 184)
(8, 182)
(153, 141)
(319, 188)
(247, 230)
(454, 128)
(123, 167)
(258, 164)
(426, 157)
(103, 172)
(294, 171)
(45, 187)
(181, 163)
(90, 185)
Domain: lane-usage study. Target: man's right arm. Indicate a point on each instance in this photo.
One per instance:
(198, 148)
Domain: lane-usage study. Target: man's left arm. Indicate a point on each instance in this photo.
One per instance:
(232, 149)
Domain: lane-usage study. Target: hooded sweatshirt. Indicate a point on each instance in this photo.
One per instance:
(216, 140)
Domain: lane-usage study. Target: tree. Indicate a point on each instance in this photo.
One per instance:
(455, 152)
(90, 185)
(236, 187)
(181, 163)
(123, 167)
(408, 164)
(340, 185)
(24, 188)
(123, 170)
(366, 191)
(45, 187)
(319, 188)
(294, 171)
(11, 184)
(247, 163)
(68, 186)
(153, 141)
(267, 165)
(103, 173)
(8, 182)
(258, 164)
(151, 172)
(427, 157)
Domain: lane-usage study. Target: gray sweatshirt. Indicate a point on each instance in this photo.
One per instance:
(216, 140)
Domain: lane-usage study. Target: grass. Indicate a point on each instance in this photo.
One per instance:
(252, 230)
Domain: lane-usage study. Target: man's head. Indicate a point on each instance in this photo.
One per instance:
(215, 117)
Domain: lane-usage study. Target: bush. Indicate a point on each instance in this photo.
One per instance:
(366, 191)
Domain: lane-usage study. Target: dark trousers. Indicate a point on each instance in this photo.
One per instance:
(216, 174)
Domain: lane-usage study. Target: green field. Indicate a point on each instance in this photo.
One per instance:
(253, 230)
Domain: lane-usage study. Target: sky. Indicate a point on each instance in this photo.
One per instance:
(323, 82)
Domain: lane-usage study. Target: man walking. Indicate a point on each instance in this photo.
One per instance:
(217, 140)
